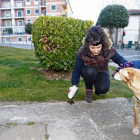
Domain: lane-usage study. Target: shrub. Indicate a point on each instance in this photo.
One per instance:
(57, 39)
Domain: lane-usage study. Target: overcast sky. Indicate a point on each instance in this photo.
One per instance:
(90, 9)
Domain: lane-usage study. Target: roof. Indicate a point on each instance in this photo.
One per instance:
(134, 12)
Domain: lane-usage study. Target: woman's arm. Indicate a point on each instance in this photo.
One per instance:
(118, 59)
(121, 62)
(77, 71)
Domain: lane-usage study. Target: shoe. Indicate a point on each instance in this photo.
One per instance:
(88, 95)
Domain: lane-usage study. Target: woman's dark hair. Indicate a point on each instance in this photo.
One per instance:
(95, 36)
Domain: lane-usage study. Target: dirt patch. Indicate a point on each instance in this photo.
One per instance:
(54, 75)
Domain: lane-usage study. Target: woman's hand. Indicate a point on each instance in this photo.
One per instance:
(72, 91)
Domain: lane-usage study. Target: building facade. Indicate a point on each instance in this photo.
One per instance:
(133, 28)
(16, 14)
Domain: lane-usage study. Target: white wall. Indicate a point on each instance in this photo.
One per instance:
(132, 29)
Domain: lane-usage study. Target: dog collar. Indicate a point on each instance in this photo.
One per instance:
(137, 99)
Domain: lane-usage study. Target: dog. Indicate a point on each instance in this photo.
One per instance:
(131, 76)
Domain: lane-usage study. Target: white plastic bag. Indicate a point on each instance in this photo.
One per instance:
(72, 91)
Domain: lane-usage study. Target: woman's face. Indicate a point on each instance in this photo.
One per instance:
(95, 49)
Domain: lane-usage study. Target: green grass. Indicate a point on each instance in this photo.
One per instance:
(8, 125)
(31, 123)
(20, 83)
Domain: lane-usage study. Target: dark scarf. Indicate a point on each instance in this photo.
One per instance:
(100, 61)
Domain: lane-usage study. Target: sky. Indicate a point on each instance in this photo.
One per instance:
(90, 9)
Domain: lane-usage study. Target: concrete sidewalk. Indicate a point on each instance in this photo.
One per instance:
(108, 119)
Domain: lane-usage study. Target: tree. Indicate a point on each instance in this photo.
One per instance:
(113, 16)
(9, 31)
(28, 30)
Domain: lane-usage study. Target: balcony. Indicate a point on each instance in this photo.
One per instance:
(19, 25)
(64, 14)
(4, 25)
(19, 6)
(19, 16)
(16, 31)
(2, 7)
(6, 16)
(43, 4)
(16, 6)
(64, 4)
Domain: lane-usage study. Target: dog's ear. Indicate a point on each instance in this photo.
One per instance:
(131, 75)
(128, 75)
(124, 75)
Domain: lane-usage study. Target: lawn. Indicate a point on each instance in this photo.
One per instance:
(20, 83)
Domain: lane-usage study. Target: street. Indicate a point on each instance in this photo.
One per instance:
(24, 46)
(129, 55)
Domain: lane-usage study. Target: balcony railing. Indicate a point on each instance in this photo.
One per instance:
(5, 7)
(6, 16)
(11, 16)
(14, 33)
(19, 6)
(43, 4)
(16, 24)
(64, 4)
(4, 25)
(19, 16)
(12, 6)
(64, 14)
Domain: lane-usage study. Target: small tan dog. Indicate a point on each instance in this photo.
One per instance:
(131, 77)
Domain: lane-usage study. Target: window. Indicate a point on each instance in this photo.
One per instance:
(37, 11)
(53, 7)
(29, 39)
(19, 4)
(7, 14)
(8, 23)
(28, 21)
(20, 23)
(19, 39)
(27, 2)
(6, 5)
(35, 2)
(7, 39)
(19, 13)
(28, 12)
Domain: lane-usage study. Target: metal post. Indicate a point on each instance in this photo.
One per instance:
(122, 34)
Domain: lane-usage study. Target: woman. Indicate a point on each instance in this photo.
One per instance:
(92, 63)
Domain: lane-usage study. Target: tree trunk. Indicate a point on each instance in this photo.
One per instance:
(110, 31)
(116, 37)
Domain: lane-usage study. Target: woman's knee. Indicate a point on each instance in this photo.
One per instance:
(88, 71)
(101, 90)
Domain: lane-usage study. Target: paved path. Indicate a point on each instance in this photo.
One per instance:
(108, 119)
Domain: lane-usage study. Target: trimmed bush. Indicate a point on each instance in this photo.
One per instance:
(57, 40)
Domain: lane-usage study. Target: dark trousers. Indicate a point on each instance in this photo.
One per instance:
(100, 80)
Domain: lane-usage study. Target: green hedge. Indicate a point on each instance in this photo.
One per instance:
(57, 39)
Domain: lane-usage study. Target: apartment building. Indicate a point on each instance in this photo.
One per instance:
(16, 14)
